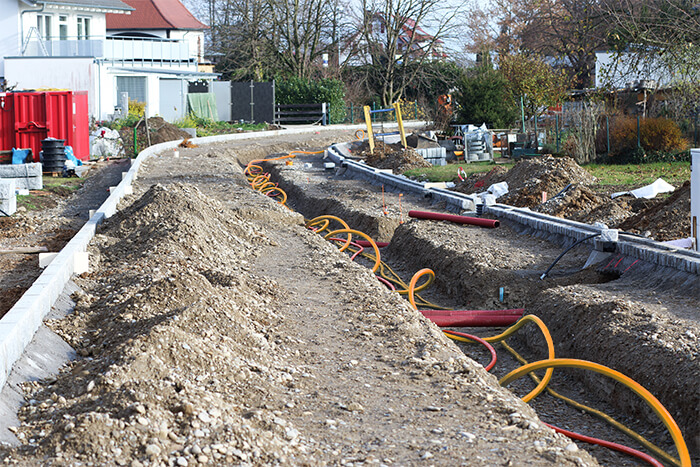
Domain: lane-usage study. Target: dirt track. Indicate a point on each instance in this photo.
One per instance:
(214, 328)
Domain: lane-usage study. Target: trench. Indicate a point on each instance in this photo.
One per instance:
(500, 268)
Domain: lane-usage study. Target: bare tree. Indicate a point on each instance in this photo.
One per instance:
(304, 29)
(394, 44)
(664, 32)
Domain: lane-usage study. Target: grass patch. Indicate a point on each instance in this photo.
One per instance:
(639, 174)
(54, 188)
(206, 127)
(448, 173)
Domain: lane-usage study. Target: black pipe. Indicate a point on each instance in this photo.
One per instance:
(565, 252)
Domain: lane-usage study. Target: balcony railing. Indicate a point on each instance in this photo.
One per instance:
(123, 50)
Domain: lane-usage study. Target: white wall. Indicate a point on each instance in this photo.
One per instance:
(10, 39)
(76, 74)
(616, 70)
(98, 22)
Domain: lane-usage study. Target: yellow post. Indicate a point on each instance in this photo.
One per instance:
(370, 135)
(399, 120)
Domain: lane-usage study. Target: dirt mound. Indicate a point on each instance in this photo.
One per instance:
(582, 204)
(667, 220)
(478, 182)
(164, 374)
(392, 156)
(529, 178)
(159, 130)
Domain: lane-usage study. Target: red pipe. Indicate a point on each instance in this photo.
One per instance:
(608, 444)
(481, 341)
(473, 318)
(491, 223)
(365, 243)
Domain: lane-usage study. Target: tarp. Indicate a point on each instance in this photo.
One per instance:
(649, 191)
(202, 104)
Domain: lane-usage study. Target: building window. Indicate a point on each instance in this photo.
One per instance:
(135, 86)
(63, 28)
(43, 25)
(83, 28)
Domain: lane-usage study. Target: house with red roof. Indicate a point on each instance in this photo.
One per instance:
(150, 49)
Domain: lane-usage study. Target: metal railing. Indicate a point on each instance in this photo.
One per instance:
(123, 50)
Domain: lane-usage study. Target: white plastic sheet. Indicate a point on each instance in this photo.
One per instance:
(649, 191)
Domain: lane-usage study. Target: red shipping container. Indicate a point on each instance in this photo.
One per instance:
(39, 115)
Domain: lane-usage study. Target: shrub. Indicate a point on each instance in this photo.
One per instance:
(137, 108)
(656, 135)
(306, 91)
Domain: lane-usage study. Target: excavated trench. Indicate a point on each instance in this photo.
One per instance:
(634, 317)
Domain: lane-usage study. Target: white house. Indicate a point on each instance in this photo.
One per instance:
(620, 70)
(66, 44)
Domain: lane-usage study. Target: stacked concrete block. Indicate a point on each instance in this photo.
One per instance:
(26, 176)
(8, 197)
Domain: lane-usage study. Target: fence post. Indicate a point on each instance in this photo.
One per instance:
(607, 133)
(556, 123)
(537, 143)
(324, 110)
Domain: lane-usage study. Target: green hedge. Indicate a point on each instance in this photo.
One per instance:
(307, 91)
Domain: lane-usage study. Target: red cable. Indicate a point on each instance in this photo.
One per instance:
(481, 341)
(608, 444)
(387, 283)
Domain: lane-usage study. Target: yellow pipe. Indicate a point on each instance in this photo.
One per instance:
(597, 413)
(508, 332)
(635, 387)
(324, 221)
(361, 234)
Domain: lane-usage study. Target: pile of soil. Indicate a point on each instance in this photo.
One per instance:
(580, 203)
(478, 182)
(392, 156)
(666, 220)
(159, 130)
(529, 178)
(173, 345)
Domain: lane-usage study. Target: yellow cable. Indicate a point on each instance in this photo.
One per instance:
(361, 234)
(324, 222)
(635, 387)
(507, 333)
(597, 413)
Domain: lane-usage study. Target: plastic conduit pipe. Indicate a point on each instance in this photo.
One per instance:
(361, 234)
(635, 387)
(324, 221)
(365, 243)
(481, 341)
(473, 318)
(607, 444)
(510, 331)
(491, 223)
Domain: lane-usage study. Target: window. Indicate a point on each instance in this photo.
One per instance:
(135, 86)
(83, 28)
(63, 28)
(43, 25)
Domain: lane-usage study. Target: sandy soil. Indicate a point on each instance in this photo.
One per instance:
(213, 328)
(217, 329)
